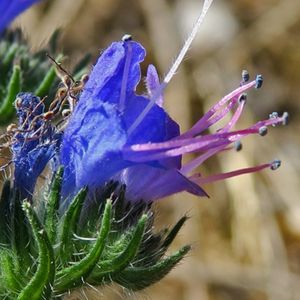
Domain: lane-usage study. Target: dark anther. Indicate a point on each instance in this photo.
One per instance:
(273, 115)
(242, 97)
(259, 81)
(238, 146)
(285, 118)
(275, 164)
(245, 76)
(263, 130)
(127, 38)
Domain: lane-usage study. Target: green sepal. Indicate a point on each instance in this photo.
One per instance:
(51, 217)
(9, 56)
(69, 226)
(173, 232)
(46, 83)
(121, 261)
(5, 217)
(14, 87)
(75, 275)
(137, 278)
(10, 276)
(20, 231)
(40, 285)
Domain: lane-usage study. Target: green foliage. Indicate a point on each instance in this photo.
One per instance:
(23, 71)
(45, 255)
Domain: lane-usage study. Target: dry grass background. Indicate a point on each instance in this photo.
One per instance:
(246, 237)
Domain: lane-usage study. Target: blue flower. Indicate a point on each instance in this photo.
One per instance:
(116, 134)
(10, 9)
(34, 143)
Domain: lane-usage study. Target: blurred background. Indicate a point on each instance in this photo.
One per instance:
(246, 236)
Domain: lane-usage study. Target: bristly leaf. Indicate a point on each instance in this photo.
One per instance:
(119, 247)
(40, 285)
(137, 278)
(69, 225)
(20, 231)
(173, 232)
(121, 261)
(75, 275)
(51, 212)
(46, 83)
(5, 217)
(10, 276)
(14, 87)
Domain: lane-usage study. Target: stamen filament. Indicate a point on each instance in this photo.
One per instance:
(205, 121)
(222, 176)
(125, 76)
(174, 68)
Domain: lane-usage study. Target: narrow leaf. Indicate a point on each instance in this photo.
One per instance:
(40, 286)
(52, 206)
(11, 278)
(120, 262)
(173, 232)
(14, 87)
(75, 275)
(69, 226)
(137, 278)
(5, 217)
(44, 87)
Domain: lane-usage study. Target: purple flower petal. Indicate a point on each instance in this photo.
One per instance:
(92, 145)
(148, 183)
(34, 144)
(153, 84)
(97, 130)
(110, 137)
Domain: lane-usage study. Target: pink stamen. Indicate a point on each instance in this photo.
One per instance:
(190, 166)
(222, 176)
(204, 122)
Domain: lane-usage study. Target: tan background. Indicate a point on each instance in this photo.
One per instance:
(246, 237)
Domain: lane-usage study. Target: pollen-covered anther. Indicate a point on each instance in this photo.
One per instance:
(245, 76)
(84, 78)
(274, 115)
(259, 81)
(18, 103)
(275, 164)
(66, 112)
(285, 118)
(238, 146)
(243, 97)
(11, 128)
(67, 80)
(127, 37)
(262, 131)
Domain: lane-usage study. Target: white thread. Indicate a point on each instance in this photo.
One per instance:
(174, 68)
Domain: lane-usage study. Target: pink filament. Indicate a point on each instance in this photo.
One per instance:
(222, 176)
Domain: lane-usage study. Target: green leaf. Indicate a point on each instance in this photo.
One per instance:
(76, 274)
(69, 226)
(5, 217)
(14, 87)
(173, 232)
(20, 231)
(40, 285)
(46, 83)
(9, 56)
(137, 278)
(52, 206)
(120, 262)
(12, 279)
